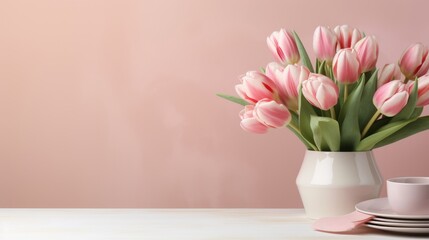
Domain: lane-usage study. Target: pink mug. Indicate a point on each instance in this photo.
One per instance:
(409, 195)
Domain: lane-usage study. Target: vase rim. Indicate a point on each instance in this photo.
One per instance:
(339, 151)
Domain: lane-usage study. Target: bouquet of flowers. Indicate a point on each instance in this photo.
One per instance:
(344, 103)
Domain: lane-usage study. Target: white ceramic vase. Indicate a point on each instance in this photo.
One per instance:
(332, 183)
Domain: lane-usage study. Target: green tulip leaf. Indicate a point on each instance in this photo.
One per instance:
(294, 118)
(419, 125)
(350, 89)
(353, 86)
(348, 119)
(340, 102)
(233, 99)
(305, 60)
(369, 142)
(367, 107)
(326, 133)
(305, 112)
(417, 112)
(369, 74)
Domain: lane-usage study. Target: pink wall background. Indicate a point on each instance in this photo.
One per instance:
(112, 103)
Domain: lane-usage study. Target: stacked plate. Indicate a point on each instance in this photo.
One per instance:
(386, 219)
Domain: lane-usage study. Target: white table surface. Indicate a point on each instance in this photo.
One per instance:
(175, 224)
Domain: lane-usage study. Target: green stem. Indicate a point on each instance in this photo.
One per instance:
(294, 127)
(369, 124)
(406, 80)
(330, 73)
(333, 115)
(346, 92)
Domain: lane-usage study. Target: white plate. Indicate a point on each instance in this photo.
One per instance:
(380, 207)
(398, 224)
(382, 219)
(400, 229)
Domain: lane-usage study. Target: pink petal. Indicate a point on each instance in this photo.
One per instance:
(253, 125)
(394, 104)
(343, 223)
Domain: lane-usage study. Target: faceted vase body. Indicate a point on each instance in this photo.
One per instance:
(332, 183)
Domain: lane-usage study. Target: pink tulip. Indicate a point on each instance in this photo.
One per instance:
(391, 98)
(423, 90)
(249, 121)
(287, 80)
(367, 51)
(271, 113)
(283, 46)
(388, 73)
(347, 36)
(256, 86)
(346, 66)
(320, 91)
(414, 61)
(324, 43)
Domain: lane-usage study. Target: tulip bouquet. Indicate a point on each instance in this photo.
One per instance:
(343, 104)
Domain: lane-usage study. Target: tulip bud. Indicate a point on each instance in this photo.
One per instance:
(347, 37)
(324, 43)
(391, 98)
(423, 90)
(414, 62)
(271, 113)
(249, 122)
(256, 86)
(283, 46)
(320, 91)
(346, 66)
(367, 51)
(287, 80)
(388, 73)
